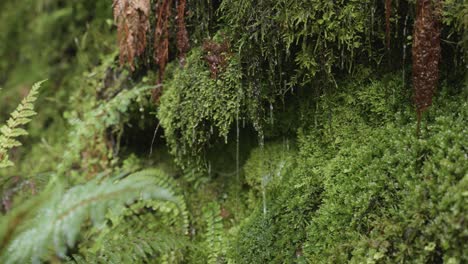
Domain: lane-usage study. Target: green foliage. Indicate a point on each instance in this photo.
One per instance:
(266, 166)
(148, 229)
(285, 43)
(455, 15)
(283, 205)
(214, 233)
(12, 129)
(94, 123)
(175, 214)
(196, 108)
(61, 215)
(300, 149)
(368, 191)
(139, 240)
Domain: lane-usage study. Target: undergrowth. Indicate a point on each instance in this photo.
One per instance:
(246, 132)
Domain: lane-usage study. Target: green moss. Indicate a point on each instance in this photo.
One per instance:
(196, 107)
(368, 192)
(301, 150)
(267, 166)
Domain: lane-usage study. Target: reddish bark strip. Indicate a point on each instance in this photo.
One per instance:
(426, 54)
(132, 18)
(161, 42)
(182, 34)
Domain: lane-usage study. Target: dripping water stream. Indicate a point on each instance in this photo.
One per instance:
(271, 114)
(404, 48)
(237, 163)
(264, 178)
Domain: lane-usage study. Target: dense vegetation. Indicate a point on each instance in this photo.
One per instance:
(271, 131)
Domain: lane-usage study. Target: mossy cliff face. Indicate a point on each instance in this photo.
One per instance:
(368, 192)
(287, 133)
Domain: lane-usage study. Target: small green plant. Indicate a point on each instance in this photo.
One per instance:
(12, 129)
(214, 233)
(149, 229)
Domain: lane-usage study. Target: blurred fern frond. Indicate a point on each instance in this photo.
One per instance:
(149, 231)
(12, 129)
(59, 217)
(214, 234)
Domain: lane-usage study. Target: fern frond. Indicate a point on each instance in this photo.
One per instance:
(138, 240)
(59, 220)
(214, 241)
(177, 213)
(148, 230)
(12, 130)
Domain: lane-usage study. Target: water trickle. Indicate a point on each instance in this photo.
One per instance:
(280, 168)
(372, 18)
(283, 146)
(265, 179)
(404, 47)
(193, 135)
(209, 169)
(271, 114)
(237, 144)
(261, 140)
(342, 58)
(211, 130)
(237, 159)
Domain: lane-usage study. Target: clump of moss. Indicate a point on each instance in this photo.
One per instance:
(369, 191)
(196, 108)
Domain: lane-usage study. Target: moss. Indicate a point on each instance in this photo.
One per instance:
(369, 192)
(355, 185)
(196, 107)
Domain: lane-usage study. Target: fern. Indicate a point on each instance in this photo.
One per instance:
(137, 240)
(177, 212)
(214, 233)
(58, 221)
(148, 229)
(12, 130)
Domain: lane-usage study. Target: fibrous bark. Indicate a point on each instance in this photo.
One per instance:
(132, 18)
(216, 56)
(426, 53)
(182, 34)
